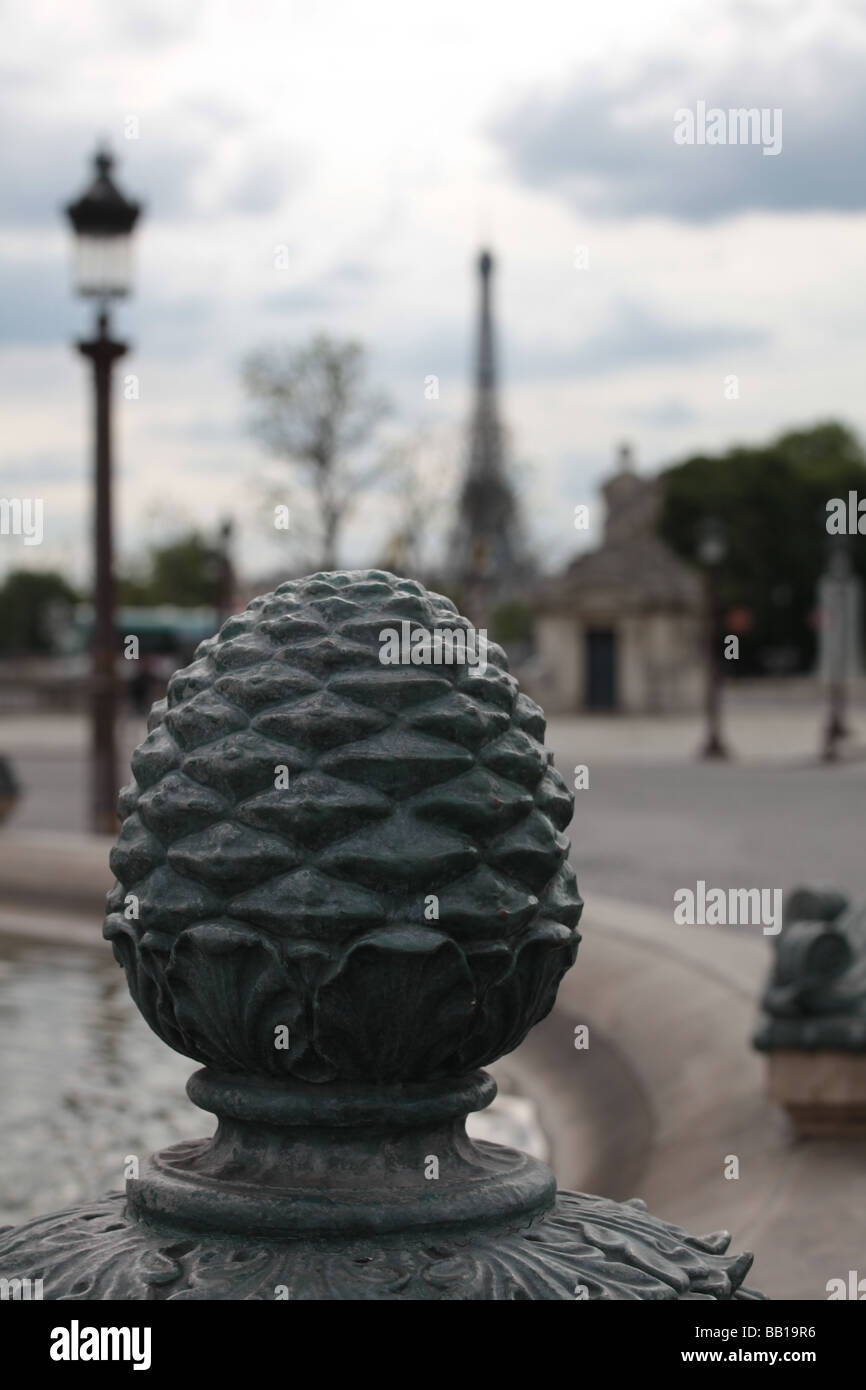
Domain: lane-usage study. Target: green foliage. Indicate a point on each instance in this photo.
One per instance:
(772, 503)
(512, 623)
(32, 605)
(185, 572)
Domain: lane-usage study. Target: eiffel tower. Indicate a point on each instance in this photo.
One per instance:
(487, 565)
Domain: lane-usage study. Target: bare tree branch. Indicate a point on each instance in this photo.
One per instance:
(313, 408)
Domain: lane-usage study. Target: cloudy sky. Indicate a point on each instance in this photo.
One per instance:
(382, 144)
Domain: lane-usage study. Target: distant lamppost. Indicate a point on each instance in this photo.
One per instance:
(712, 549)
(835, 618)
(102, 220)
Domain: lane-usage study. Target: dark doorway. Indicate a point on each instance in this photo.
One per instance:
(601, 668)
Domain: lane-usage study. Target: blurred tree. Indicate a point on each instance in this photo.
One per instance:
(33, 605)
(186, 572)
(511, 624)
(772, 503)
(314, 409)
(421, 466)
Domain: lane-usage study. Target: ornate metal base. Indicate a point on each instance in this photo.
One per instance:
(319, 1192)
(583, 1248)
(282, 937)
(294, 1160)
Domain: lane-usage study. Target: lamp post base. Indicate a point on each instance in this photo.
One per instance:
(714, 749)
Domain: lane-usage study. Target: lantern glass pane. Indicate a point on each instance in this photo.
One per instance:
(103, 265)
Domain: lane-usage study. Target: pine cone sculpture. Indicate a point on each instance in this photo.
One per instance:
(369, 857)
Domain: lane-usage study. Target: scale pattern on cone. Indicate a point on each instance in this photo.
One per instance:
(242, 906)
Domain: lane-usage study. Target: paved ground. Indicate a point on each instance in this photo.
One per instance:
(653, 818)
(641, 832)
(49, 754)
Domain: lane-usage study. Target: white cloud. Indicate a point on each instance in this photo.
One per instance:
(359, 138)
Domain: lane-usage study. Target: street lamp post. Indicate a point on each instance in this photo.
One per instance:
(836, 618)
(712, 549)
(102, 220)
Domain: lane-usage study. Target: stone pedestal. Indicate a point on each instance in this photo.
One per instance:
(813, 1015)
(823, 1092)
